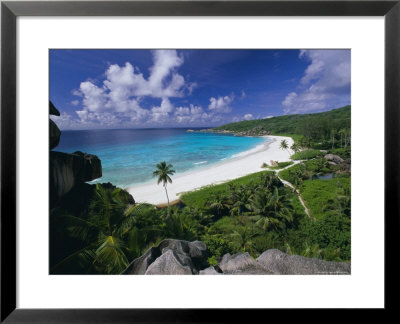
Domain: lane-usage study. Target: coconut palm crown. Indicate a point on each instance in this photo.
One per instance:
(163, 173)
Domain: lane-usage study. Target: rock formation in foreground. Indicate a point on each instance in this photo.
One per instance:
(68, 170)
(176, 257)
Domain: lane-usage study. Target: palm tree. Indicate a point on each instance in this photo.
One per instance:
(105, 235)
(163, 173)
(295, 148)
(242, 237)
(239, 199)
(271, 209)
(284, 146)
(218, 203)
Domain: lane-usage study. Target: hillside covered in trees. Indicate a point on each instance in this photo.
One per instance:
(314, 130)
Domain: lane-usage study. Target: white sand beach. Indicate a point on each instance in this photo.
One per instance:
(227, 170)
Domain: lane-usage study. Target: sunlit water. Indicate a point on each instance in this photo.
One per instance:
(129, 156)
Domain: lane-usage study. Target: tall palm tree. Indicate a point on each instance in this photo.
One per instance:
(284, 146)
(163, 173)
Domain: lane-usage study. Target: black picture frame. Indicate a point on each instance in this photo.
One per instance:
(11, 10)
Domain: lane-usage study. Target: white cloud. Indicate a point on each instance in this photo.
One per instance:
(221, 105)
(75, 102)
(248, 116)
(160, 114)
(194, 115)
(118, 98)
(325, 83)
(118, 101)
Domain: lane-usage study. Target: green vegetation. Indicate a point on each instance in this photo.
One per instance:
(327, 197)
(98, 229)
(306, 155)
(280, 165)
(326, 130)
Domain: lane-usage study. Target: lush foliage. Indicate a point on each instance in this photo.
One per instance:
(306, 155)
(98, 229)
(324, 130)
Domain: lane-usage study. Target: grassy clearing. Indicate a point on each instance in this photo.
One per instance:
(322, 195)
(306, 155)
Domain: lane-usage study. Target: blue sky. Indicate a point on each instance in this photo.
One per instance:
(193, 88)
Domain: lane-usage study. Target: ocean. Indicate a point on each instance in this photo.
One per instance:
(129, 156)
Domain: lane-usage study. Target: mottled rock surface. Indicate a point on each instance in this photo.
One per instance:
(241, 263)
(281, 263)
(209, 271)
(68, 170)
(171, 262)
(171, 257)
(176, 257)
(334, 158)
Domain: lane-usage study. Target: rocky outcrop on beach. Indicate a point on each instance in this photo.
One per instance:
(177, 257)
(68, 170)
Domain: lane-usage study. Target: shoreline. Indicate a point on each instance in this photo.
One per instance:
(217, 173)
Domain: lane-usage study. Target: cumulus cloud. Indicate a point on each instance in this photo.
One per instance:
(221, 104)
(118, 98)
(248, 116)
(128, 98)
(161, 113)
(66, 121)
(194, 115)
(325, 83)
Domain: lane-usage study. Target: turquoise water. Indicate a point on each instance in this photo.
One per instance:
(129, 156)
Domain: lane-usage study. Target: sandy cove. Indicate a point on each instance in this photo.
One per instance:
(218, 173)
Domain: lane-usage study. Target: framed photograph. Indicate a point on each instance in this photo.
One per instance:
(224, 140)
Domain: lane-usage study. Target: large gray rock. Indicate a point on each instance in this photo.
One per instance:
(171, 263)
(183, 251)
(54, 134)
(281, 263)
(68, 170)
(209, 271)
(241, 263)
(334, 158)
